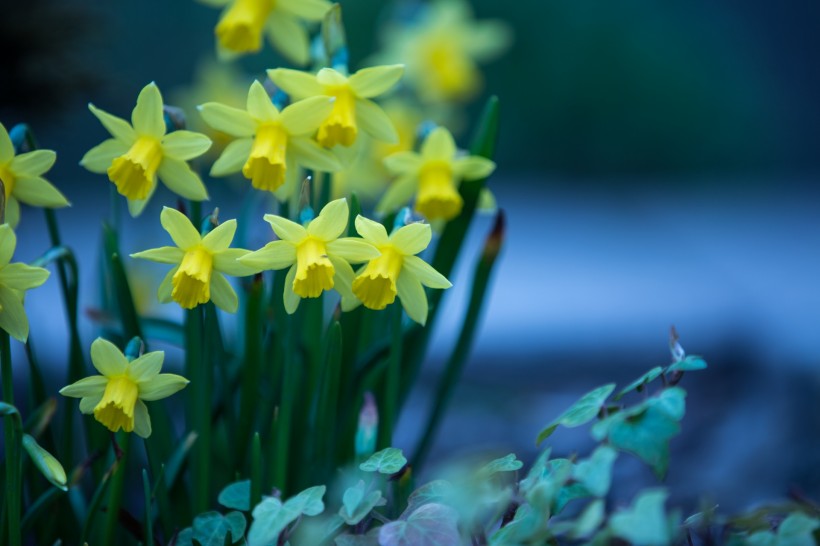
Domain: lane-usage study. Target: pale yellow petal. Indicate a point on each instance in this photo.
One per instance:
(12, 212)
(259, 104)
(376, 80)
(305, 116)
(162, 386)
(311, 10)
(180, 179)
(38, 192)
(22, 277)
(285, 229)
(146, 367)
(13, 317)
(147, 116)
(473, 167)
(185, 145)
(425, 273)
(6, 146)
(331, 77)
(118, 127)
(309, 154)
(373, 121)
(227, 119)
(166, 287)
(290, 297)
(99, 158)
(398, 194)
(412, 238)
(233, 157)
(343, 277)
(87, 386)
(142, 420)
(180, 228)
(32, 163)
(136, 206)
(403, 162)
(413, 298)
(289, 37)
(439, 145)
(274, 255)
(372, 231)
(164, 255)
(107, 358)
(220, 237)
(88, 403)
(8, 242)
(222, 293)
(331, 222)
(228, 262)
(352, 249)
(296, 83)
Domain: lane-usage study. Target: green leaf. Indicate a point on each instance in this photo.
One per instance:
(386, 461)
(356, 503)
(641, 382)
(645, 523)
(370, 539)
(508, 463)
(581, 412)
(236, 496)
(797, 530)
(211, 528)
(271, 516)
(45, 463)
(590, 519)
(436, 491)
(431, 525)
(595, 473)
(688, 364)
(544, 493)
(185, 537)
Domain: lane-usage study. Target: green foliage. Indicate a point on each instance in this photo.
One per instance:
(580, 413)
(212, 528)
(237, 496)
(386, 461)
(357, 503)
(645, 523)
(430, 525)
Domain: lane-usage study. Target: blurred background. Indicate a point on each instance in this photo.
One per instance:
(657, 163)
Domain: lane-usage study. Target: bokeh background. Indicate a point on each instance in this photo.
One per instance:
(658, 165)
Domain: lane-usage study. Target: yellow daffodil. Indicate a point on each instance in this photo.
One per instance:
(117, 397)
(15, 279)
(318, 259)
(397, 271)
(201, 263)
(442, 49)
(271, 144)
(22, 179)
(243, 22)
(138, 154)
(434, 175)
(352, 109)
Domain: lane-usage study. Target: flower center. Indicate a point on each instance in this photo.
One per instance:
(376, 285)
(452, 72)
(116, 409)
(437, 197)
(240, 28)
(134, 173)
(266, 165)
(340, 126)
(192, 281)
(8, 179)
(314, 272)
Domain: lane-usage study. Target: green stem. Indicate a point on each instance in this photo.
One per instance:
(256, 470)
(13, 437)
(149, 523)
(199, 407)
(251, 369)
(388, 412)
(282, 424)
(117, 489)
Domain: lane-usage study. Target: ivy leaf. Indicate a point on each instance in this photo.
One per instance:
(356, 504)
(581, 412)
(211, 528)
(595, 473)
(504, 464)
(796, 530)
(386, 461)
(271, 516)
(640, 383)
(370, 539)
(645, 523)
(431, 525)
(688, 364)
(236, 496)
(185, 537)
(436, 491)
(590, 519)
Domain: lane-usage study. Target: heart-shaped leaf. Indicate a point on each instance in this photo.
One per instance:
(431, 525)
(386, 461)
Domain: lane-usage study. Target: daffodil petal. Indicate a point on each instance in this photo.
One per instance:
(372, 231)
(99, 158)
(274, 255)
(291, 298)
(180, 228)
(6, 146)
(162, 386)
(181, 179)
(146, 367)
(305, 116)
(425, 273)
(220, 237)
(259, 104)
(473, 167)
(352, 249)
(285, 229)
(289, 37)
(439, 145)
(87, 386)
(309, 154)
(228, 262)
(142, 420)
(403, 162)
(376, 80)
(330, 76)
(312, 10)
(147, 116)
(374, 121)
(412, 238)
(233, 157)
(413, 298)
(88, 403)
(12, 211)
(331, 222)
(39, 192)
(136, 206)
(118, 127)
(227, 119)
(32, 163)
(293, 177)
(185, 145)
(398, 194)
(166, 287)
(13, 317)
(19, 276)
(296, 83)
(107, 358)
(8, 242)
(488, 39)
(163, 255)
(222, 293)
(343, 277)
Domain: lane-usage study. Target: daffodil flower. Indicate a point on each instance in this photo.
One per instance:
(117, 397)
(434, 175)
(271, 144)
(15, 279)
(352, 109)
(22, 179)
(397, 271)
(200, 263)
(243, 23)
(138, 154)
(318, 259)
